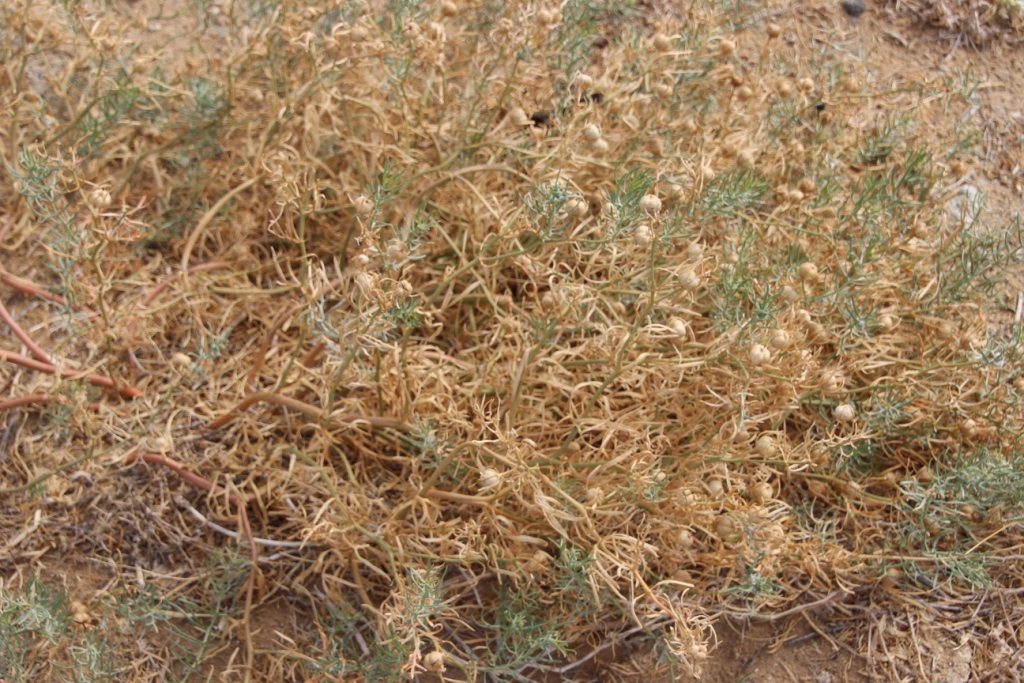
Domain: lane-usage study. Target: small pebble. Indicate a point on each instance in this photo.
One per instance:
(854, 8)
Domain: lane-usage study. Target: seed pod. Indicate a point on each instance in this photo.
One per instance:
(545, 18)
(584, 82)
(694, 251)
(886, 321)
(726, 49)
(844, 412)
(832, 383)
(363, 204)
(969, 428)
(807, 186)
(489, 479)
(449, 9)
(762, 492)
(808, 272)
(785, 89)
(682, 576)
(678, 327)
(689, 280)
(707, 174)
(518, 117)
(759, 354)
(595, 495)
(789, 295)
(549, 301)
(435, 31)
(971, 514)
(794, 196)
(773, 30)
(577, 207)
(745, 159)
(642, 236)
(663, 91)
(924, 475)
(724, 526)
(779, 339)
(592, 133)
(945, 330)
(650, 204)
(657, 147)
(806, 85)
(766, 446)
(661, 42)
(921, 231)
(434, 662)
(744, 93)
(715, 488)
(689, 126)
(686, 540)
(99, 199)
(360, 261)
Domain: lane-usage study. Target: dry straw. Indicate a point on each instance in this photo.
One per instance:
(518, 331)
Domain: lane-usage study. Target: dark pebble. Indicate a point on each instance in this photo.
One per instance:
(540, 118)
(854, 8)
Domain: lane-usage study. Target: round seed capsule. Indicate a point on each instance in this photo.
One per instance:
(789, 295)
(807, 186)
(724, 526)
(601, 146)
(642, 236)
(762, 492)
(779, 339)
(449, 9)
(844, 412)
(808, 272)
(785, 89)
(694, 251)
(488, 479)
(577, 207)
(805, 84)
(689, 280)
(363, 204)
(592, 133)
(759, 354)
(650, 203)
(661, 42)
(545, 18)
(727, 49)
(773, 30)
(434, 662)
(707, 174)
(663, 91)
(678, 327)
(518, 117)
(766, 446)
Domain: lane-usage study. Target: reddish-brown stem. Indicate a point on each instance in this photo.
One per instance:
(31, 399)
(309, 411)
(206, 485)
(6, 316)
(29, 288)
(96, 380)
(265, 346)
